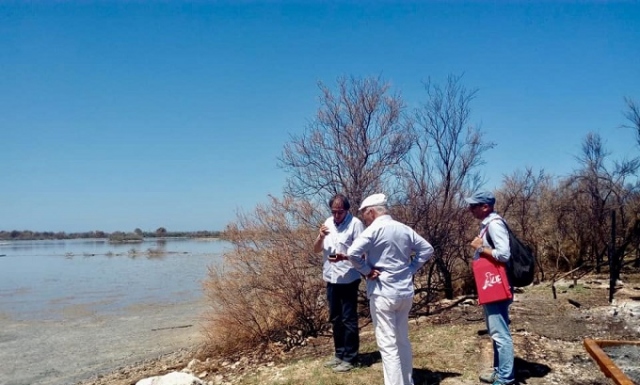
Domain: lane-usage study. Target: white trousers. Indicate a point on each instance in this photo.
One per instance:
(391, 323)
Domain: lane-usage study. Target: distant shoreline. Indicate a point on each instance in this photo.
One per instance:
(136, 235)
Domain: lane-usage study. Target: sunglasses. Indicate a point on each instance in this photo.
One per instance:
(474, 205)
(337, 212)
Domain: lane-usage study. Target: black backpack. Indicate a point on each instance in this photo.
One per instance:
(521, 266)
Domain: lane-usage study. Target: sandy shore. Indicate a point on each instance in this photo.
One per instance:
(80, 347)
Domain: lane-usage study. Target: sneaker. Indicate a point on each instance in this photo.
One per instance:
(343, 367)
(333, 362)
(498, 382)
(489, 378)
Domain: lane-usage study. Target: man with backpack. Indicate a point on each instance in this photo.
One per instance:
(493, 242)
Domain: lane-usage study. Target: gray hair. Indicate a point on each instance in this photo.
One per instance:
(381, 210)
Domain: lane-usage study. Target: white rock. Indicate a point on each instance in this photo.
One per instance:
(173, 378)
(193, 363)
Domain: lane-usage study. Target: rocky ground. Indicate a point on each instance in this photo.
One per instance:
(548, 334)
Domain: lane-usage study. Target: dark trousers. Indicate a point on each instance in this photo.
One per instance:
(343, 315)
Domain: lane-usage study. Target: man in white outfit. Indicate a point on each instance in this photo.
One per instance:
(389, 268)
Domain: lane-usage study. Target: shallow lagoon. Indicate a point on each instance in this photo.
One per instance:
(49, 280)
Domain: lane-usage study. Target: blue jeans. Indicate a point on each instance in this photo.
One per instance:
(343, 314)
(496, 316)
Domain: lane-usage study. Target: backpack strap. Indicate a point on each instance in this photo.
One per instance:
(485, 230)
(509, 263)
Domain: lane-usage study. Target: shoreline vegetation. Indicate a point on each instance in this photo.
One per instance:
(134, 236)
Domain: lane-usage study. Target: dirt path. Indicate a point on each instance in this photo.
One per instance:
(66, 352)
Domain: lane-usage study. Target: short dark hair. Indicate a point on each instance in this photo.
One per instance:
(343, 198)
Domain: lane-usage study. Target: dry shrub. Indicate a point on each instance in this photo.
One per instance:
(270, 286)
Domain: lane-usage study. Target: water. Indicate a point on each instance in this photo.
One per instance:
(627, 358)
(53, 280)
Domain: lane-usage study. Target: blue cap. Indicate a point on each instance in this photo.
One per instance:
(481, 197)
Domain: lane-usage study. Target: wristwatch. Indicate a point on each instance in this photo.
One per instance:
(480, 249)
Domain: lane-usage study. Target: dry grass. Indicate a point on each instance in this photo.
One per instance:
(439, 351)
(452, 348)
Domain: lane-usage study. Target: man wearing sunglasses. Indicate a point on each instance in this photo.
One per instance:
(335, 236)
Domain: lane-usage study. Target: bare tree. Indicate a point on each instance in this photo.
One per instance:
(357, 137)
(601, 185)
(270, 288)
(441, 168)
(633, 116)
(519, 197)
(522, 205)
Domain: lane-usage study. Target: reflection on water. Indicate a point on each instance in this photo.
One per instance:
(88, 277)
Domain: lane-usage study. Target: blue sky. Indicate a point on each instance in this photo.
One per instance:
(124, 115)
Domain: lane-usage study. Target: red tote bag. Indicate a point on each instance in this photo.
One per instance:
(491, 279)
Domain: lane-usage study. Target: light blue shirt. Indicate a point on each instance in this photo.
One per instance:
(345, 233)
(499, 235)
(388, 245)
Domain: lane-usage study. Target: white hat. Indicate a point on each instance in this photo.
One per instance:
(374, 200)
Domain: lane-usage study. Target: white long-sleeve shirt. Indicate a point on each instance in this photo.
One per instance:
(499, 234)
(344, 233)
(388, 245)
